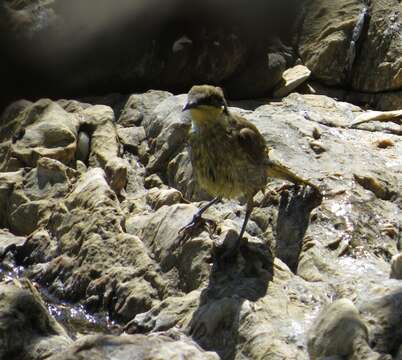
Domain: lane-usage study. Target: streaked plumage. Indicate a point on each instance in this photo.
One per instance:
(228, 154)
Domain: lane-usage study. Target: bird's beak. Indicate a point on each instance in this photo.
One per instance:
(189, 105)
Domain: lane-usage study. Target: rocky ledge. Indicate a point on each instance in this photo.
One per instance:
(93, 194)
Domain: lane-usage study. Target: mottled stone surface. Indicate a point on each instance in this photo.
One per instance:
(27, 330)
(105, 232)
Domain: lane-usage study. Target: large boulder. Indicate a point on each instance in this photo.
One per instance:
(378, 67)
(351, 43)
(325, 41)
(340, 331)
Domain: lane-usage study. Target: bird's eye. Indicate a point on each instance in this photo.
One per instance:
(216, 101)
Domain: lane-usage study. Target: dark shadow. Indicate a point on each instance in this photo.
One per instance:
(215, 324)
(293, 219)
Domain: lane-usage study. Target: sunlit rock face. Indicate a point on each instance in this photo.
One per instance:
(93, 195)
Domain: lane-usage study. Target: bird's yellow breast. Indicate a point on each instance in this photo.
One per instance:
(205, 115)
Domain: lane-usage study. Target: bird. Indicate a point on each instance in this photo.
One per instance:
(229, 156)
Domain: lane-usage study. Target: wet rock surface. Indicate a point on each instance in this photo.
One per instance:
(95, 220)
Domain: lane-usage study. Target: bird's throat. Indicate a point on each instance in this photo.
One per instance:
(206, 116)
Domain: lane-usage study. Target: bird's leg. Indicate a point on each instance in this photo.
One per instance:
(195, 222)
(235, 248)
(249, 209)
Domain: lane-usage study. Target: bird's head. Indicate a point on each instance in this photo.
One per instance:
(205, 102)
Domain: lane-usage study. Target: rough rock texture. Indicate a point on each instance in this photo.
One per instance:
(396, 268)
(28, 332)
(291, 79)
(355, 45)
(379, 64)
(156, 347)
(325, 40)
(340, 331)
(95, 219)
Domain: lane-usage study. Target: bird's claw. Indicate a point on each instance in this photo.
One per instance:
(286, 187)
(196, 223)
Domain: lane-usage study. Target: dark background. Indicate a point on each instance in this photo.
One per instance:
(73, 48)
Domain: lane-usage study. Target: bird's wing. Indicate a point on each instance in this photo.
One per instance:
(248, 138)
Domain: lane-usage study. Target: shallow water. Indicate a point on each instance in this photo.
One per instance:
(76, 320)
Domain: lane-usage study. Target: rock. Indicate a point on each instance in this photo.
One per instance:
(27, 330)
(157, 347)
(342, 43)
(381, 50)
(8, 119)
(317, 147)
(377, 116)
(131, 137)
(325, 43)
(28, 203)
(291, 79)
(389, 101)
(152, 181)
(382, 101)
(173, 311)
(339, 331)
(83, 147)
(383, 317)
(396, 267)
(116, 171)
(44, 129)
(87, 262)
(38, 248)
(267, 72)
(26, 20)
(160, 197)
(160, 232)
(180, 176)
(384, 143)
(104, 141)
(9, 242)
(140, 106)
(168, 131)
(8, 182)
(27, 217)
(310, 264)
(385, 189)
(104, 145)
(51, 172)
(73, 106)
(117, 249)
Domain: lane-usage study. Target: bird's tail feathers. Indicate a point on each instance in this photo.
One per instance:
(279, 171)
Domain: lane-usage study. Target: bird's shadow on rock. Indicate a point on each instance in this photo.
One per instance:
(215, 324)
(293, 219)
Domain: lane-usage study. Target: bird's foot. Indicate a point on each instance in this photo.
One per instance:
(195, 225)
(296, 187)
(287, 187)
